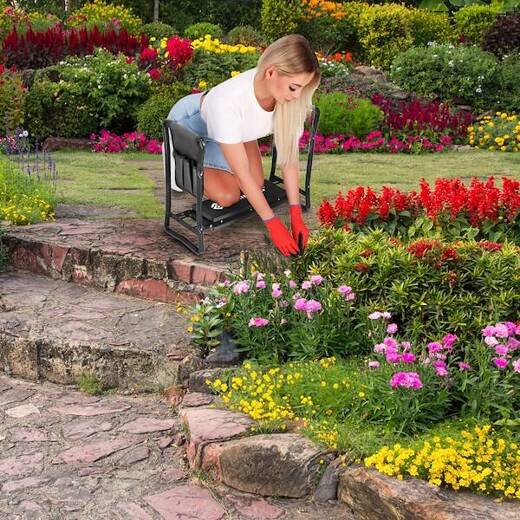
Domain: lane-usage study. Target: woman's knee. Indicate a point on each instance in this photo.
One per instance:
(226, 199)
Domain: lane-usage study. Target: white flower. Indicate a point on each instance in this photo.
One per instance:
(478, 90)
(450, 63)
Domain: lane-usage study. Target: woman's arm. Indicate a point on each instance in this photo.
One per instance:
(291, 180)
(236, 157)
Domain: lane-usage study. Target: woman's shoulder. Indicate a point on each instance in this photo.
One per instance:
(237, 84)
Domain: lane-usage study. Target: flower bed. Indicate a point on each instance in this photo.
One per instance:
(109, 142)
(448, 209)
(500, 132)
(419, 396)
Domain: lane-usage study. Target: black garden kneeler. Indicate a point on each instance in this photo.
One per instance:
(184, 150)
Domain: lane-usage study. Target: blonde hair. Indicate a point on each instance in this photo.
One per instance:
(290, 54)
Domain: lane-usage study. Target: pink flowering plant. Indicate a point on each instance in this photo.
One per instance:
(488, 379)
(275, 318)
(110, 142)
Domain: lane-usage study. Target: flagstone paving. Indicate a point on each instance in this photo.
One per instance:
(65, 455)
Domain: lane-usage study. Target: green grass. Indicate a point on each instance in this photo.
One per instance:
(115, 180)
(107, 180)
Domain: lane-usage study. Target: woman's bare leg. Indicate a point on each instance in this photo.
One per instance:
(221, 187)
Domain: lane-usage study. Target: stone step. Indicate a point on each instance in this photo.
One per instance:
(132, 257)
(57, 331)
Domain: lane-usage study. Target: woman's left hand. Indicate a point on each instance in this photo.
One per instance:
(298, 226)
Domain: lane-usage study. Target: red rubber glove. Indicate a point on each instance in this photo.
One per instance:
(281, 237)
(298, 225)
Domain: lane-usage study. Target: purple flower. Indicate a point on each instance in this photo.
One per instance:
(373, 364)
(516, 365)
(392, 328)
(292, 284)
(500, 362)
(386, 315)
(434, 346)
(406, 380)
(313, 306)
(449, 340)
(513, 343)
(408, 357)
(260, 284)
(440, 368)
(501, 330)
(511, 327)
(391, 343)
(241, 287)
(488, 331)
(306, 284)
(276, 291)
(490, 341)
(258, 322)
(284, 303)
(344, 290)
(375, 316)
(464, 366)
(392, 357)
(350, 297)
(380, 348)
(501, 350)
(316, 279)
(406, 345)
(300, 304)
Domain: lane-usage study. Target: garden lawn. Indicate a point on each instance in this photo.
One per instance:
(115, 180)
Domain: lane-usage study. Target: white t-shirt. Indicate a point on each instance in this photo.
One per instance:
(232, 113)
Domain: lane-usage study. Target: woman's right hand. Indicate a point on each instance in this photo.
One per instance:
(281, 237)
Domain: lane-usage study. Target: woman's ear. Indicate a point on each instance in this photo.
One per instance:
(270, 71)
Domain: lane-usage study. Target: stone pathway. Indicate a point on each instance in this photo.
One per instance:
(65, 455)
(54, 330)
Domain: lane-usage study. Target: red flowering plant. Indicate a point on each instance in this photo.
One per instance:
(164, 61)
(433, 120)
(43, 48)
(450, 209)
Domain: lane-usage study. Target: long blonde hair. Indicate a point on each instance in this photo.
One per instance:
(290, 54)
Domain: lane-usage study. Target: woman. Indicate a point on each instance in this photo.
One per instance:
(275, 97)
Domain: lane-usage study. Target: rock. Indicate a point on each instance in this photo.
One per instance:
(24, 483)
(197, 399)
(90, 410)
(92, 452)
(29, 435)
(22, 411)
(14, 396)
(147, 425)
(174, 474)
(174, 395)
(253, 507)
(164, 442)
(226, 354)
(197, 380)
(21, 464)
(211, 425)
(187, 366)
(282, 464)
(186, 501)
(137, 455)
(85, 428)
(131, 511)
(328, 487)
(374, 496)
(365, 70)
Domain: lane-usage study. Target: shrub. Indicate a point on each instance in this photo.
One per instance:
(24, 199)
(158, 30)
(503, 37)
(343, 114)
(41, 49)
(428, 26)
(85, 95)
(385, 31)
(246, 35)
(109, 142)
(473, 22)
(280, 17)
(449, 209)
(154, 111)
(508, 97)
(463, 74)
(200, 29)
(500, 132)
(12, 99)
(213, 68)
(105, 16)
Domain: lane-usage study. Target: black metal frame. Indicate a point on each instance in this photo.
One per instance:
(187, 150)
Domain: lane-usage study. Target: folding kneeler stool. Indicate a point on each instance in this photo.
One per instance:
(184, 155)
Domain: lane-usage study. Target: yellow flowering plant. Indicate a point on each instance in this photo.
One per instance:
(500, 132)
(480, 459)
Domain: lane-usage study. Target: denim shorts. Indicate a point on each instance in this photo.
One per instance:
(186, 112)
